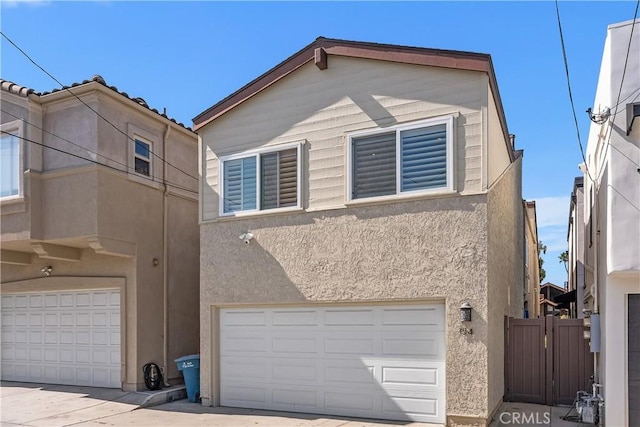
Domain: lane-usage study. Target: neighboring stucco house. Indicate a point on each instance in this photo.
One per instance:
(353, 198)
(531, 262)
(612, 223)
(99, 237)
(576, 251)
(548, 304)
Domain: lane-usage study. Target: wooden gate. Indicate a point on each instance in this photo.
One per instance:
(547, 360)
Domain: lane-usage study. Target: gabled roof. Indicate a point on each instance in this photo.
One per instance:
(11, 87)
(323, 47)
(549, 284)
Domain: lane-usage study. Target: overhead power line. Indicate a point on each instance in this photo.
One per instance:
(88, 106)
(573, 108)
(89, 160)
(127, 167)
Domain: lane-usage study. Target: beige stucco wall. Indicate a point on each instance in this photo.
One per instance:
(505, 269)
(427, 250)
(77, 201)
(322, 107)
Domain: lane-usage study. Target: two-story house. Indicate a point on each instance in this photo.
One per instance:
(99, 237)
(612, 224)
(361, 236)
(576, 249)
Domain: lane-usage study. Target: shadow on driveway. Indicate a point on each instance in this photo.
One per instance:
(47, 405)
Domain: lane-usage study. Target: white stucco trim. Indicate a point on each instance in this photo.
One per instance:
(615, 335)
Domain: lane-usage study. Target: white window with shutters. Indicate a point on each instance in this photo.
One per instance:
(405, 160)
(263, 180)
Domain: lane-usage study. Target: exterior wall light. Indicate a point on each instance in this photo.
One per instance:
(47, 270)
(465, 312)
(465, 316)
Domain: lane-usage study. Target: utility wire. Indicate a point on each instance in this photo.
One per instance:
(88, 106)
(87, 160)
(127, 167)
(66, 140)
(573, 109)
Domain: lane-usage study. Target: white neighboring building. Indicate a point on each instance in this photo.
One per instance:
(612, 221)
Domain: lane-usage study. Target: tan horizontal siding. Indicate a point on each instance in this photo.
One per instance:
(323, 107)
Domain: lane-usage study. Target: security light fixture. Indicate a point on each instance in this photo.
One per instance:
(246, 237)
(46, 270)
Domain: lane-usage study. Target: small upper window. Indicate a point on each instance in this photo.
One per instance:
(10, 170)
(260, 181)
(142, 158)
(406, 159)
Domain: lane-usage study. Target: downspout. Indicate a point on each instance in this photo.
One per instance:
(596, 306)
(165, 257)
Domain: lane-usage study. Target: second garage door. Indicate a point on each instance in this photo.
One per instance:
(376, 361)
(62, 338)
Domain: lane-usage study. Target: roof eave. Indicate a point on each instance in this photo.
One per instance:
(460, 60)
(91, 86)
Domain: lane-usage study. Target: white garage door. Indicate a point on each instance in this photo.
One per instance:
(383, 362)
(62, 338)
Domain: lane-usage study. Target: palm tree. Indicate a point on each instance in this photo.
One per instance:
(564, 257)
(542, 249)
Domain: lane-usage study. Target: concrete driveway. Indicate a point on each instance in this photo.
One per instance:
(25, 404)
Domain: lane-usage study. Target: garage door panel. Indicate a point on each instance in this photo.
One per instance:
(361, 361)
(295, 318)
(47, 338)
(357, 403)
(428, 317)
(294, 399)
(251, 343)
(51, 319)
(294, 344)
(244, 318)
(245, 396)
(349, 317)
(346, 345)
(348, 371)
(409, 408)
(238, 368)
(294, 370)
(406, 376)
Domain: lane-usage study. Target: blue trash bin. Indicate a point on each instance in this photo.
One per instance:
(190, 368)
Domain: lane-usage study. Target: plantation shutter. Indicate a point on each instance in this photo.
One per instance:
(288, 178)
(279, 179)
(423, 158)
(374, 165)
(239, 184)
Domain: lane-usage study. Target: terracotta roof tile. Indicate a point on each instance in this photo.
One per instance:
(23, 91)
(16, 89)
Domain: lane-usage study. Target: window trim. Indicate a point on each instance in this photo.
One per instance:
(149, 159)
(257, 153)
(450, 174)
(18, 127)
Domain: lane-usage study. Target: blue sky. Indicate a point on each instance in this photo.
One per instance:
(186, 56)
